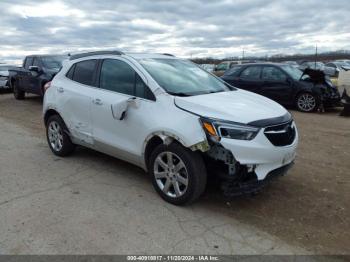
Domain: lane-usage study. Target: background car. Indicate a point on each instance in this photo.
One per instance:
(319, 66)
(284, 84)
(208, 67)
(221, 68)
(36, 71)
(341, 66)
(292, 63)
(347, 61)
(4, 76)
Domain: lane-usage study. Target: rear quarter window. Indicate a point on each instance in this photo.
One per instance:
(84, 72)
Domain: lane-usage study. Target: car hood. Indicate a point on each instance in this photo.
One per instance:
(238, 106)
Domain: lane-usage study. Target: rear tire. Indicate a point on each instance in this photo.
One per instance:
(306, 102)
(57, 137)
(18, 94)
(178, 174)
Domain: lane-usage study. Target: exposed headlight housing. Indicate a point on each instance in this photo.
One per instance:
(217, 129)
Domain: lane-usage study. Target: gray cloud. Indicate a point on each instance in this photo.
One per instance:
(199, 28)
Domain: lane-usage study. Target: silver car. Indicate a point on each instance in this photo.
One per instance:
(330, 71)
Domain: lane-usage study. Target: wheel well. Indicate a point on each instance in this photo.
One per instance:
(151, 145)
(48, 114)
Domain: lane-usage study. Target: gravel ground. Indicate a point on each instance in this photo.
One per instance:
(90, 203)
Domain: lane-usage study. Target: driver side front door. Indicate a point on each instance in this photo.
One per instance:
(121, 84)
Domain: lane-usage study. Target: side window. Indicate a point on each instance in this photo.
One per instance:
(84, 72)
(70, 72)
(119, 77)
(271, 73)
(251, 73)
(36, 61)
(221, 67)
(141, 90)
(234, 71)
(28, 62)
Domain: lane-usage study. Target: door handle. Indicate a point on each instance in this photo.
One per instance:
(97, 101)
(60, 89)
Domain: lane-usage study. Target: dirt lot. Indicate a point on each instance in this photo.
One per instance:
(307, 210)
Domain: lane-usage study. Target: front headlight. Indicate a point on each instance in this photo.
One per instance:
(217, 129)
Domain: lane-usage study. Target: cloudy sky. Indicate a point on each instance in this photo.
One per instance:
(183, 27)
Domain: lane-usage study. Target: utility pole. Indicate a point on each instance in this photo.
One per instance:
(316, 56)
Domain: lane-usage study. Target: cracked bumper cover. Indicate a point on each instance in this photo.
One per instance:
(261, 154)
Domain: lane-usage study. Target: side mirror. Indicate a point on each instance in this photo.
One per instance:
(34, 69)
(120, 109)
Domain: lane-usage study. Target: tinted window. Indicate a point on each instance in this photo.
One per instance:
(28, 62)
(221, 67)
(84, 72)
(71, 72)
(53, 62)
(141, 90)
(270, 73)
(36, 62)
(119, 77)
(251, 73)
(233, 71)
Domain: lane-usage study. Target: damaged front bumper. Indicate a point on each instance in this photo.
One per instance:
(246, 166)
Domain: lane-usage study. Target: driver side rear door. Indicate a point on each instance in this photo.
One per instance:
(276, 85)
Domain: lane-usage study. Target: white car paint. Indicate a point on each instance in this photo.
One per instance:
(229, 106)
(88, 113)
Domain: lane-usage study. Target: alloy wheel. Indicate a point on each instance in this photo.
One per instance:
(171, 174)
(55, 136)
(306, 102)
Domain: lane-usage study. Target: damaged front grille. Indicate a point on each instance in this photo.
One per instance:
(281, 135)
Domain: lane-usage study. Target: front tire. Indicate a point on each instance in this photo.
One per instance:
(57, 137)
(18, 94)
(178, 174)
(306, 102)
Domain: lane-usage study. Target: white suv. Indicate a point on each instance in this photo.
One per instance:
(170, 117)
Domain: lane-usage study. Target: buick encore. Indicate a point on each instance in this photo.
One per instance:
(170, 117)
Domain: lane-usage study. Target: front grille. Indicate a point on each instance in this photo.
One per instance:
(281, 135)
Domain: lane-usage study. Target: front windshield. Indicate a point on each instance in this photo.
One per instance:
(293, 72)
(182, 77)
(53, 62)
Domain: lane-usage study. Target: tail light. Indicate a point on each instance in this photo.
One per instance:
(47, 86)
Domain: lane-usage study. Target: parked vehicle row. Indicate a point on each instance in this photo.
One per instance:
(4, 77)
(170, 117)
(285, 84)
(36, 71)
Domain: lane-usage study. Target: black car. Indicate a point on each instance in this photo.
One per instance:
(285, 84)
(37, 70)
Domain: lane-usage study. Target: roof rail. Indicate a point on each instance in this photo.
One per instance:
(168, 54)
(81, 55)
